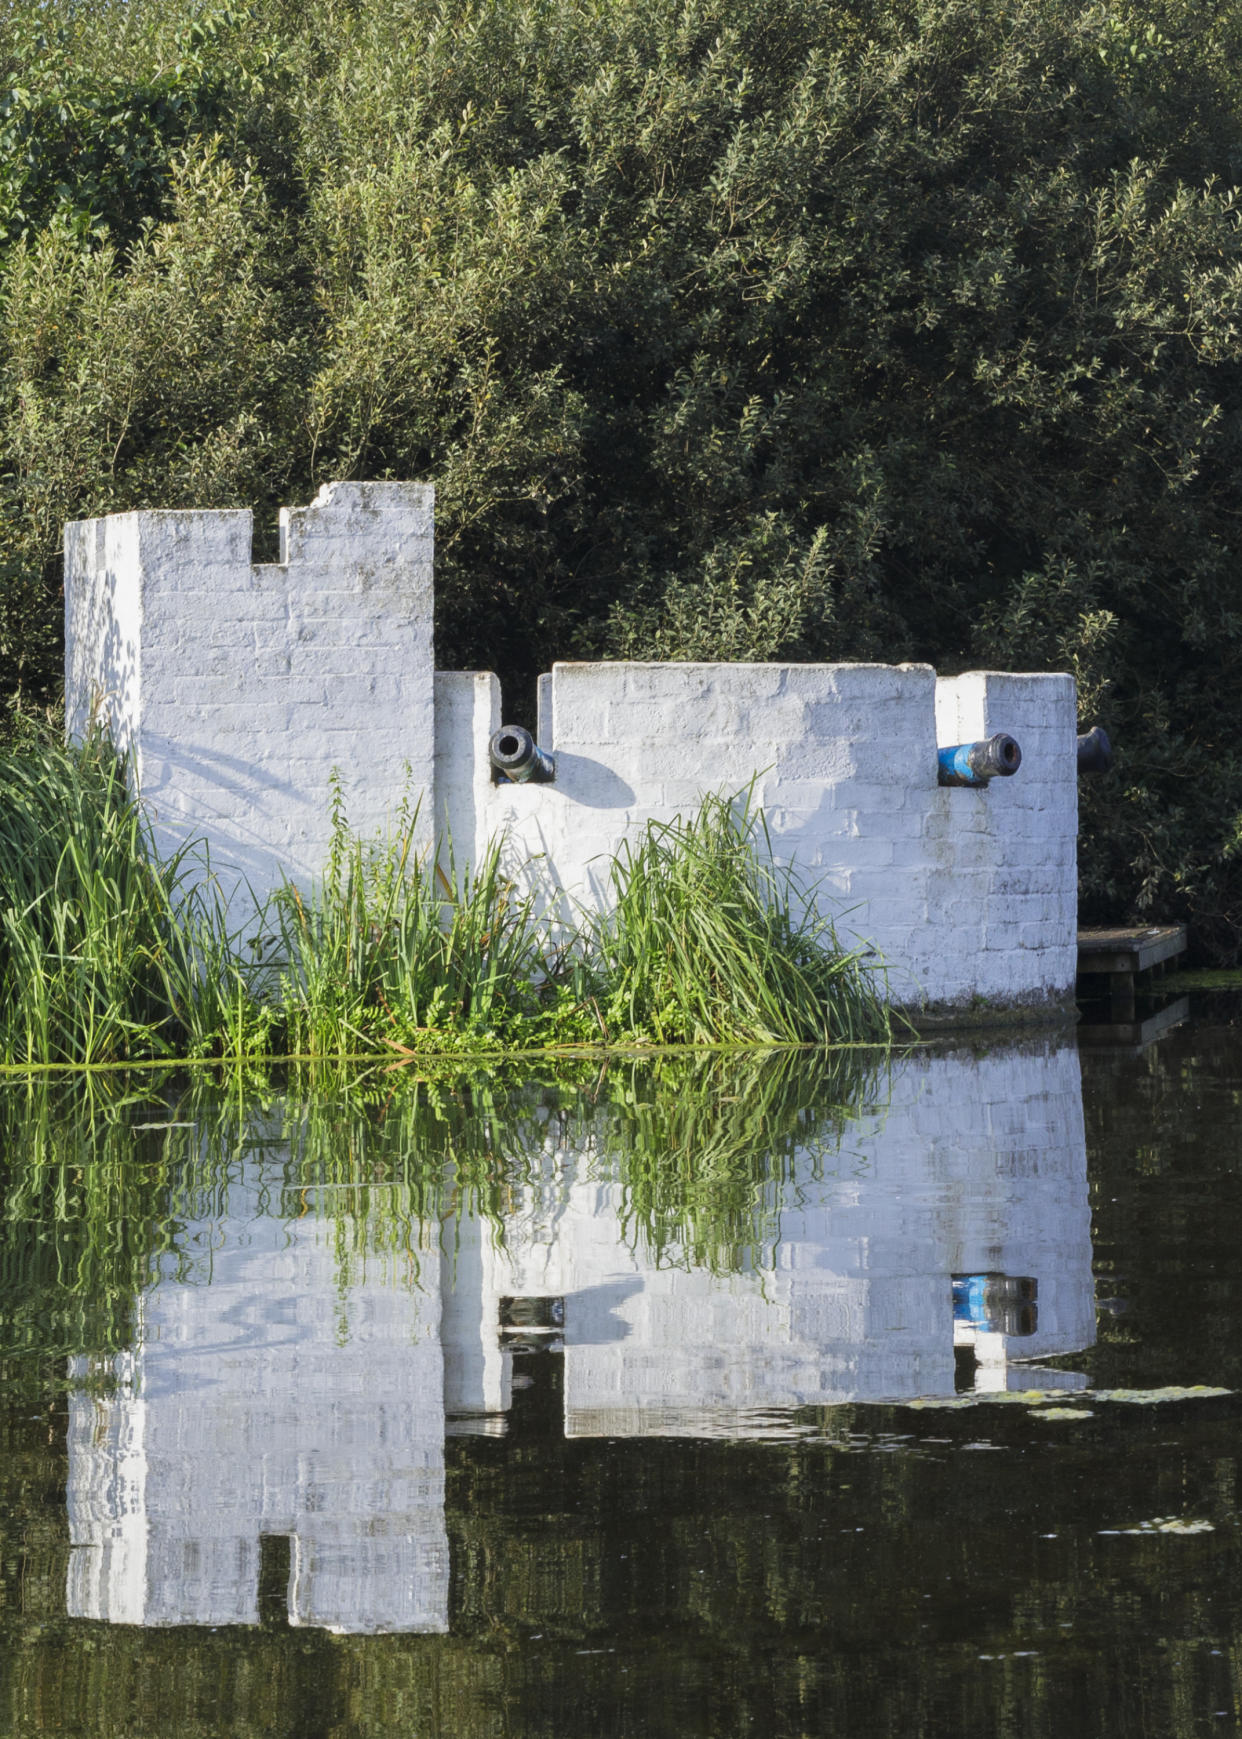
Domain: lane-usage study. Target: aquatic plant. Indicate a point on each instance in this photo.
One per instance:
(107, 952)
(389, 951)
(111, 953)
(708, 941)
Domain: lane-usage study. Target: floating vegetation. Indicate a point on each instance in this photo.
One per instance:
(1195, 978)
(1052, 1401)
(1153, 1397)
(1166, 1525)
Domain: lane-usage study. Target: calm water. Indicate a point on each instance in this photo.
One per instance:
(715, 1399)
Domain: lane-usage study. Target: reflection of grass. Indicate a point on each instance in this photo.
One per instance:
(97, 1182)
(706, 1148)
(82, 1193)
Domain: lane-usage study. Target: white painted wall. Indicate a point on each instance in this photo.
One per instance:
(969, 896)
(237, 690)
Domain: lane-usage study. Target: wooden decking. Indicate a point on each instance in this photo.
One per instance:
(1130, 950)
(1121, 955)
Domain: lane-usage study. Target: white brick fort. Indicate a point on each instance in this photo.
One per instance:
(239, 691)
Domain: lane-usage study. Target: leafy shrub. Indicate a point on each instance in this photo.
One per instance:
(844, 328)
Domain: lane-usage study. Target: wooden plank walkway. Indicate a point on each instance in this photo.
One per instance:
(1130, 950)
(1121, 954)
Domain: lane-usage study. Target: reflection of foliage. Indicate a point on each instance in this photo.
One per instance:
(98, 1181)
(82, 1180)
(381, 1164)
(705, 1147)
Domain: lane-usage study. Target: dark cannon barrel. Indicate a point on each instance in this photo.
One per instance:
(516, 756)
(1095, 752)
(997, 757)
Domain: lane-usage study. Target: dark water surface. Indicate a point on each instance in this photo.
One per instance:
(772, 1398)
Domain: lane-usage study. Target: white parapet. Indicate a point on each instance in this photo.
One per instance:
(238, 691)
(969, 897)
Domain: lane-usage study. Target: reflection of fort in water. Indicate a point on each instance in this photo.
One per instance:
(273, 1399)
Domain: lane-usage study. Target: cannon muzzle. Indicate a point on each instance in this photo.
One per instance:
(517, 757)
(1095, 752)
(997, 1303)
(997, 757)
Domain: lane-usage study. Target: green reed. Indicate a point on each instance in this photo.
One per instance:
(710, 941)
(102, 954)
(390, 951)
(111, 953)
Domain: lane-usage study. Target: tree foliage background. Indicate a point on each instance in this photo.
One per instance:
(725, 328)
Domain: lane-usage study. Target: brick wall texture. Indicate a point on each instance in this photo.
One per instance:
(244, 692)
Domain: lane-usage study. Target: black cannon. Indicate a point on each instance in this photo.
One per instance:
(1095, 752)
(517, 757)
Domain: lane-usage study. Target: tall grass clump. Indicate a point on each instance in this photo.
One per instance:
(708, 942)
(107, 953)
(389, 950)
(111, 953)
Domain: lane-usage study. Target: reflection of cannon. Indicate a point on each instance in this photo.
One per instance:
(996, 1303)
(1095, 752)
(517, 757)
(997, 757)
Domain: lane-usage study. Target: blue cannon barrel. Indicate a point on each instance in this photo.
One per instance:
(998, 1303)
(516, 756)
(997, 757)
(1095, 752)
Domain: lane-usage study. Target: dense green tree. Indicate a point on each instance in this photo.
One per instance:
(843, 328)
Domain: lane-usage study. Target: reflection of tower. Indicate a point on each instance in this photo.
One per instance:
(973, 1167)
(280, 1416)
(266, 1404)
